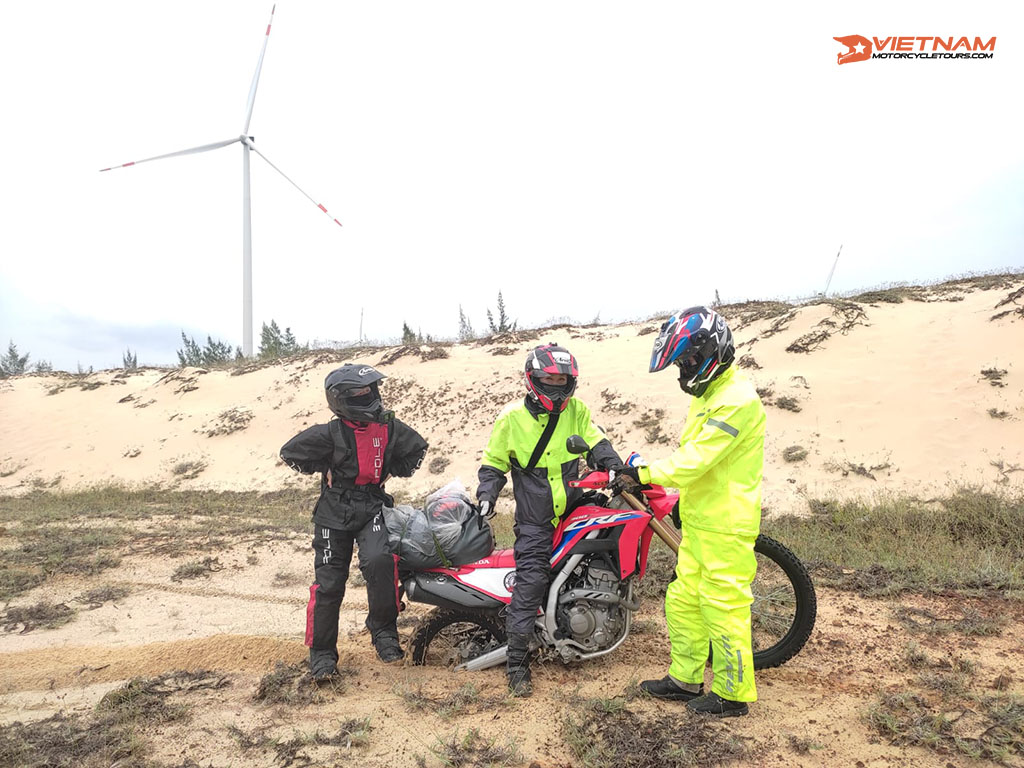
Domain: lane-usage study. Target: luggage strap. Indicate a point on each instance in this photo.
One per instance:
(545, 438)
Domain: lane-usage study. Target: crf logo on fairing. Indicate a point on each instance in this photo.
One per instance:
(600, 520)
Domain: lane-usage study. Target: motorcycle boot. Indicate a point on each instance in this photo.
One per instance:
(668, 688)
(388, 648)
(323, 665)
(716, 706)
(519, 682)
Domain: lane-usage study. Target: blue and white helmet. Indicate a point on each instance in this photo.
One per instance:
(699, 342)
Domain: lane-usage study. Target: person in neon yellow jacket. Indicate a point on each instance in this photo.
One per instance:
(528, 440)
(717, 469)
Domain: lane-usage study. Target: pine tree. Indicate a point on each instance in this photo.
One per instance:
(130, 361)
(270, 341)
(465, 327)
(289, 346)
(503, 325)
(216, 352)
(408, 336)
(191, 355)
(12, 363)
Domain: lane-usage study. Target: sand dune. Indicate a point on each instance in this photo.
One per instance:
(882, 396)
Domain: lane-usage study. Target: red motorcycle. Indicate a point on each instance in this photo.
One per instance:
(600, 550)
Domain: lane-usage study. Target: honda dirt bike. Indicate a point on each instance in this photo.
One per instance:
(600, 549)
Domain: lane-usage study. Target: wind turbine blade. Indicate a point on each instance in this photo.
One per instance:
(256, 76)
(192, 151)
(314, 202)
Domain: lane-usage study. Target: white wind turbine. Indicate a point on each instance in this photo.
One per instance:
(246, 141)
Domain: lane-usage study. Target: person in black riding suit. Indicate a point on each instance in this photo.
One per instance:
(354, 453)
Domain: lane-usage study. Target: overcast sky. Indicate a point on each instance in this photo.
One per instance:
(585, 158)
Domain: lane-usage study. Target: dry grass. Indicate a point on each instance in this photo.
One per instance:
(438, 464)
(607, 733)
(474, 750)
(994, 376)
(196, 568)
(903, 544)
(116, 733)
(41, 615)
(970, 622)
(788, 403)
(987, 727)
(464, 700)
(287, 752)
(794, 453)
(81, 534)
(290, 684)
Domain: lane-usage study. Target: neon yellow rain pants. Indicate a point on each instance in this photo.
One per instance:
(710, 600)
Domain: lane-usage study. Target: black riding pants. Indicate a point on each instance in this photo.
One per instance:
(532, 549)
(332, 557)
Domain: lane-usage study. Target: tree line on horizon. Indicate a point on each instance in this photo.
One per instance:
(274, 344)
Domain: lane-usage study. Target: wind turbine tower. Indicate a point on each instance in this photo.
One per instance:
(247, 145)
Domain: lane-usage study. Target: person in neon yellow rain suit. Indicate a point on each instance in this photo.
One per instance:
(717, 470)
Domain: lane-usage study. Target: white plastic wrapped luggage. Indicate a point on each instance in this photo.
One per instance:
(446, 532)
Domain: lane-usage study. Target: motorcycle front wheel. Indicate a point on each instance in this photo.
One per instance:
(449, 638)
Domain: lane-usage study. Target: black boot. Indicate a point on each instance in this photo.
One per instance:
(388, 648)
(323, 665)
(667, 688)
(519, 683)
(716, 706)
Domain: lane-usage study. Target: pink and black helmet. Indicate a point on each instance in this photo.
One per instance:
(699, 342)
(551, 360)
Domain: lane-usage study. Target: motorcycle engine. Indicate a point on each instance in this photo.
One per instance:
(589, 610)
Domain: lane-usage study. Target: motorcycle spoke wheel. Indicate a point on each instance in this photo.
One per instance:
(447, 638)
(785, 605)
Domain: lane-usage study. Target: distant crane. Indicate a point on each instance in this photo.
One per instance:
(247, 144)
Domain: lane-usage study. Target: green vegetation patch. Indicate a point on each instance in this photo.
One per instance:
(972, 541)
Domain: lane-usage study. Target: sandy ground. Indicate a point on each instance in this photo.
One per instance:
(238, 623)
(894, 399)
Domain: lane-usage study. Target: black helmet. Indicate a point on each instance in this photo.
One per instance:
(550, 360)
(341, 382)
(699, 342)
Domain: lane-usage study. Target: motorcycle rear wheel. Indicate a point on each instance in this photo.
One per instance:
(449, 638)
(785, 605)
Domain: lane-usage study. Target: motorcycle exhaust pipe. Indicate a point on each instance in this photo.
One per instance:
(485, 661)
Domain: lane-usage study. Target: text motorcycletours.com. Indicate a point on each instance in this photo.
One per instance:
(860, 48)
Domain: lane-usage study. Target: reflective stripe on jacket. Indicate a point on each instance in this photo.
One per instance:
(720, 460)
(543, 492)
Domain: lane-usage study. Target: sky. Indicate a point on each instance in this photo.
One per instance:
(590, 160)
